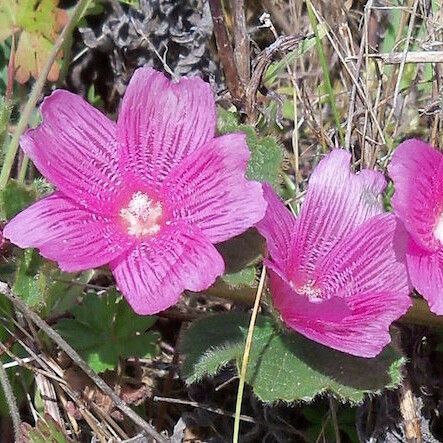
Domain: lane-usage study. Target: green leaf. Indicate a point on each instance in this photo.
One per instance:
(105, 328)
(245, 277)
(44, 287)
(265, 164)
(284, 365)
(15, 197)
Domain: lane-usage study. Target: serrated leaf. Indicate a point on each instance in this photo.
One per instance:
(284, 365)
(265, 164)
(14, 197)
(38, 23)
(105, 328)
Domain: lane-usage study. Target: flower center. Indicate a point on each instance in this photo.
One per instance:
(142, 215)
(310, 291)
(438, 231)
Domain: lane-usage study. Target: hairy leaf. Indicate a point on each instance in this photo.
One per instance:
(284, 365)
(265, 164)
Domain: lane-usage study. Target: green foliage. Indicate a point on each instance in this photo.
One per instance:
(47, 430)
(14, 197)
(38, 22)
(265, 164)
(284, 365)
(44, 287)
(19, 378)
(105, 328)
(245, 277)
(5, 114)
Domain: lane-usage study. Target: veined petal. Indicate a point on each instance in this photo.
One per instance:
(337, 202)
(417, 171)
(277, 226)
(357, 325)
(74, 148)
(366, 272)
(161, 122)
(64, 232)
(154, 274)
(209, 189)
(426, 274)
(371, 259)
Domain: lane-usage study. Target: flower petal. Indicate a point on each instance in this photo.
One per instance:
(66, 233)
(417, 171)
(75, 149)
(337, 201)
(154, 274)
(367, 272)
(161, 122)
(277, 226)
(426, 274)
(370, 259)
(358, 326)
(209, 189)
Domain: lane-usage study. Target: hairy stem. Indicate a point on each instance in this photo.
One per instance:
(11, 401)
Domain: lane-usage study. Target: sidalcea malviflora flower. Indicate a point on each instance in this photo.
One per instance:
(149, 195)
(417, 171)
(337, 272)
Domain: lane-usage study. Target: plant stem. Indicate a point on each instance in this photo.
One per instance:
(244, 365)
(23, 168)
(36, 91)
(225, 51)
(11, 401)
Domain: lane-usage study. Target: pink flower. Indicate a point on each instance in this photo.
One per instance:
(148, 195)
(417, 171)
(336, 272)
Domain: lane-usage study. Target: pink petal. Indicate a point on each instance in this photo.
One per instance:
(370, 259)
(337, 201)
(209, 189)
(367, 272)
(154, 274)
(426, 273)
(66, 233)
(277, 226)
(358, 325)
(417, 171)
(162, 122)
(74, 148)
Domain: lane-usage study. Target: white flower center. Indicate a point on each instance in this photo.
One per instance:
(438, 231)
(310, 291)
(142, 215)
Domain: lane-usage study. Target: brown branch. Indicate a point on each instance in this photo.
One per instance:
(283, 45)
(225, 51)
(241, 41)
(53, 335)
